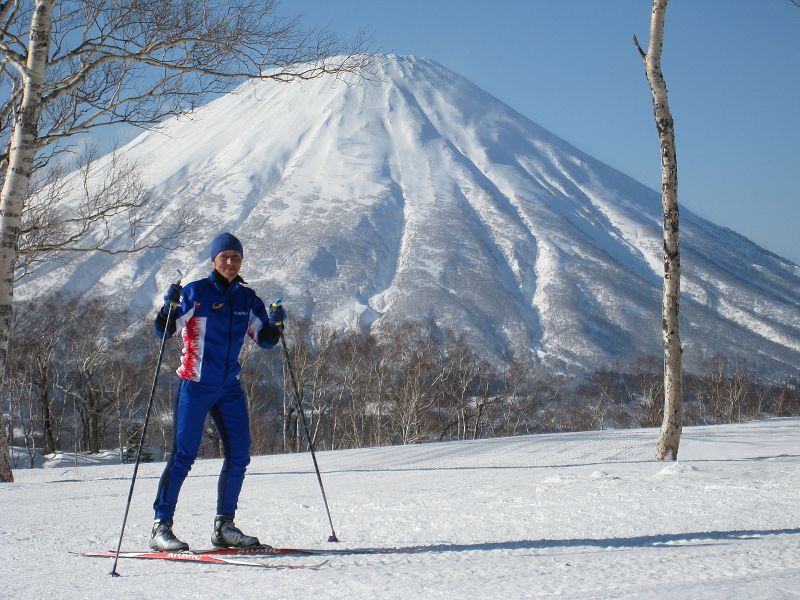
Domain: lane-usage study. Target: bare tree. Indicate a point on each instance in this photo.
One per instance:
(5, 455)
(39, 329)
(463, 368)
(355, 355)
(260, 381)
(104, 383)
(670, 435)
(417, 383)
(75, 65)
(105, 195)
(725, 393)
(84, 385)
(310, 364)
(124, 387)
(645, 388)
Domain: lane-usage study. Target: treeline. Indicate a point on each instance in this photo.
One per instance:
(70, 388)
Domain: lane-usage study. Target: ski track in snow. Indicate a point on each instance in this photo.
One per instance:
(580, 515)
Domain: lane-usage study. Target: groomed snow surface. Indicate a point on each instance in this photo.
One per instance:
(584, 515)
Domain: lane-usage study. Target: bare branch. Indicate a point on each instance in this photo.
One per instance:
(642, 53)
(139, 62)
(111, 196)
(15, 59)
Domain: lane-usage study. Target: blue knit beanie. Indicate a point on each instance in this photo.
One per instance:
(225, 241)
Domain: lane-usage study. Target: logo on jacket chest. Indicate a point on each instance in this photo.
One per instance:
(217, 305)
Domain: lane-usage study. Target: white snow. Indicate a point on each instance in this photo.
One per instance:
(583, 515)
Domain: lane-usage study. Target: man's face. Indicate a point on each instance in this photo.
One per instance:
(228, 263)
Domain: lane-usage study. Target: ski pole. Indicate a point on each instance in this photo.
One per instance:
(332, 537)
(141, 438)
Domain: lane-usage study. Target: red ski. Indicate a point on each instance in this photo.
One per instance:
(258, 551)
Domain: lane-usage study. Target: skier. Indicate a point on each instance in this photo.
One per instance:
(214, 314)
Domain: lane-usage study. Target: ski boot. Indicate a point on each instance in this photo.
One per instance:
(163, 540)
(227, 535)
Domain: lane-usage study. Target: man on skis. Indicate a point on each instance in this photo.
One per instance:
(214, 315)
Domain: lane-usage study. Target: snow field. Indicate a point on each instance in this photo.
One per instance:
(584, 515)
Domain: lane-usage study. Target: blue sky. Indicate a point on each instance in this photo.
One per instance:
(732, 68)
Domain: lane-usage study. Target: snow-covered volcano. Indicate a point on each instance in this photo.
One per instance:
(420, 196)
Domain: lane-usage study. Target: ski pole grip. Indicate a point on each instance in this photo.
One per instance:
(274, 306)
(177, 304)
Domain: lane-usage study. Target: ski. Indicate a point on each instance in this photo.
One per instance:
(255, 551)
(268, 551)
(259, 551)
(197, 558)
(263, 551)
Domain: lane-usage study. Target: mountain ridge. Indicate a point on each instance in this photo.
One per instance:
(421, 196)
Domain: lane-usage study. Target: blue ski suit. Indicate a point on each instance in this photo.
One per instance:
(213, 316)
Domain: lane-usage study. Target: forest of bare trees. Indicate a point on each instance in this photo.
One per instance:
(71, 388)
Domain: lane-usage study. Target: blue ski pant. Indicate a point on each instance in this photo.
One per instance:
(227, 406)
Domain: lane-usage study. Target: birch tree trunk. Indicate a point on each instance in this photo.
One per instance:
(6, 475)
(18, 176)
(670, 435)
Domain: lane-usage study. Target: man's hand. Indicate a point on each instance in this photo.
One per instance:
(276, 314)
(173, 295)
